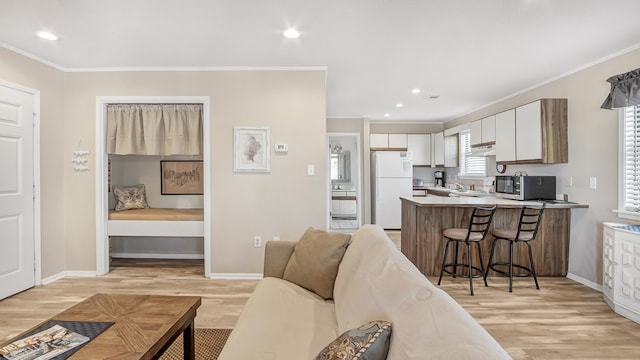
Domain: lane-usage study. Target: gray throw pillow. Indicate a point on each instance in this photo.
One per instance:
(315, 260)
(370, 341)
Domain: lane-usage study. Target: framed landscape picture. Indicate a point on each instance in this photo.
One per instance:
(251, 149)
(181, 177)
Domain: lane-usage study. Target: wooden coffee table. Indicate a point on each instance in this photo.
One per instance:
(144, 325)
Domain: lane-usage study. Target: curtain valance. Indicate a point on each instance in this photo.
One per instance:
(625, 90)
(154, 129)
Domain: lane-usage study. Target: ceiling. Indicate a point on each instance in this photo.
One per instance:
(469, 52)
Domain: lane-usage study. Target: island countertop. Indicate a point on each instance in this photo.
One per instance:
(470, 201)
(425, 218)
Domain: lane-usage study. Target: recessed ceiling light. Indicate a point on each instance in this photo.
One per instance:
(387, 115)
(415, 91)
(291, 34)
(399, 105)
(47, 35)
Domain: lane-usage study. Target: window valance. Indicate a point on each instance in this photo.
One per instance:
(625, 90)
(154, 129)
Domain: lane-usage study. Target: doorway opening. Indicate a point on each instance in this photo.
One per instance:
(102, 178)
(345, 179)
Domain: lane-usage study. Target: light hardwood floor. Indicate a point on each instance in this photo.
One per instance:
(563, 320)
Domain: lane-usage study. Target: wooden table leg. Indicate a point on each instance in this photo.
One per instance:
(188, 337)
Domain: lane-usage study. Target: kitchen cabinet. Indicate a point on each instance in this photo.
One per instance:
(489, 130)
(475, 132)
(397, 141)
(420, 146)
(379, 141)
(438, 149)
(483, 131)
(388, 141)
(620, 272)
(506, 136)
(451, 151)
(535, 133)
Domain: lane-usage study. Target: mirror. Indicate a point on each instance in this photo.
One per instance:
(341, 167)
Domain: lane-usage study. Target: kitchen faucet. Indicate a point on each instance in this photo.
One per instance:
(458, 186)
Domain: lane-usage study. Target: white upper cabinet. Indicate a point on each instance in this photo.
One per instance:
(528, 132)
(438, 149)
(475, 132)
(379, 141)
(420, 146)
(388, 141)
(505, 130)
(489, 129)
(397, 141)
(534, 133)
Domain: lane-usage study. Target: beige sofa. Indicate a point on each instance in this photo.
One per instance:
(375, 281)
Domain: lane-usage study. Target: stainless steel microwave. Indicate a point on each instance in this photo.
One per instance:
(526, 187)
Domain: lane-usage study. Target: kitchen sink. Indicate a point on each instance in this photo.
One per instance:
(476, 193)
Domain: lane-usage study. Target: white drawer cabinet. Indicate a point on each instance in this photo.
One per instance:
(621, 270)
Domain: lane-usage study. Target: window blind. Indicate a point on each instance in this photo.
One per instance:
(632, 158)
(470, 165)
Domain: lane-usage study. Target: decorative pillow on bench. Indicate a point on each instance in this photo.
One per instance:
(130, 197)
(368, 342)
(315, 260)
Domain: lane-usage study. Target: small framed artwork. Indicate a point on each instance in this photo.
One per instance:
(181, 177)
(251, 150)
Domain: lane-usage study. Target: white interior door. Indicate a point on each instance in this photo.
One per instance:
(17, 244)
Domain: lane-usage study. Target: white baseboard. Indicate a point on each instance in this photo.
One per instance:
(58, 276)
(52, 278)
(236, 276)
(156, 256)
(585, 282)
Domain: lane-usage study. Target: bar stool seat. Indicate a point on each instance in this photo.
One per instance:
(476, 232)
(526, 231)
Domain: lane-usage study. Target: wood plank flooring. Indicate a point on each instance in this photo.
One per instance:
(562, 320)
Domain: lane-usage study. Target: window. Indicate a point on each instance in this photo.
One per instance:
(470, 165)
(630, 197)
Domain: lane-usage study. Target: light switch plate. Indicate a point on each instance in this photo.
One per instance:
(311, 170)
(593, 182)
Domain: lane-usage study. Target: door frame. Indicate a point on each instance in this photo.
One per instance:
(37, 238)
(359, 207)
(102, 201)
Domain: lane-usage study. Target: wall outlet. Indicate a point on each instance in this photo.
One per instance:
(593, 182)
(257, 241)
(276, 238)
(311, 170)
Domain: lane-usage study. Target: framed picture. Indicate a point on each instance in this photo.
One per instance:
(251, 149)
(181, 177)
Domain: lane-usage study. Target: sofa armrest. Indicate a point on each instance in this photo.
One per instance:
(276, 257)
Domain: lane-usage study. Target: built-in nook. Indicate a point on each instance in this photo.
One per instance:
(175, 225)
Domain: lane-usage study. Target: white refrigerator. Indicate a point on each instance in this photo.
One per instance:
(392, 176)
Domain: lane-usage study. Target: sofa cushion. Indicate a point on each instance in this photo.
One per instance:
(376, 281)
(315, 260)
(281, 321)
(367, 342)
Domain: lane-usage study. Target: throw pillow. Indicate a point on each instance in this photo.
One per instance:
(130, 197)
(315, 260)
(368, 342)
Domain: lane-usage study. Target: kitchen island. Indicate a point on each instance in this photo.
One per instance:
(424, 219)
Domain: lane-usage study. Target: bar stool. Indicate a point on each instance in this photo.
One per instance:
(527, 230)
(476, 232)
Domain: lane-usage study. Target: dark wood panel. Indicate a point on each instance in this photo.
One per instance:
(554, 122)
(423, 243)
